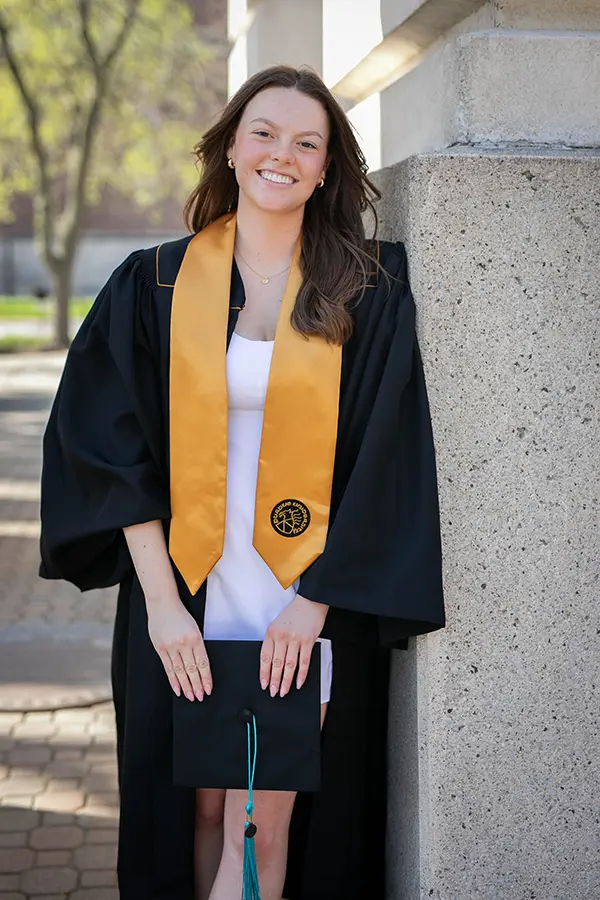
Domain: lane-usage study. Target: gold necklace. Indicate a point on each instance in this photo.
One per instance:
(264, 278)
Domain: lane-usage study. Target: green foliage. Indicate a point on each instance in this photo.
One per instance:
(144, 142)
(31, 308)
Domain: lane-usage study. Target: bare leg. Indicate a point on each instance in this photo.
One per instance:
(323, 712)
(210, 805)
(272, 813)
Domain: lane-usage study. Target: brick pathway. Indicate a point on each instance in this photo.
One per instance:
(58, 805)
(58, 799)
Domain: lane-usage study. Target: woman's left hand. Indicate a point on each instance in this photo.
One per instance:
(288, 644)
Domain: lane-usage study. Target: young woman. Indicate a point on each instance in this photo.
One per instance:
(241, 440)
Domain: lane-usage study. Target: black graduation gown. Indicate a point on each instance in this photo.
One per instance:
(106, 466)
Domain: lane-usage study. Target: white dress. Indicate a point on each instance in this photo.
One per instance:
(242, 594)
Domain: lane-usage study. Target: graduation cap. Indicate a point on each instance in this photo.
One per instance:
(239, 737)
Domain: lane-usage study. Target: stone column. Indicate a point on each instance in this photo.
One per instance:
(494, 758)
(278, 34)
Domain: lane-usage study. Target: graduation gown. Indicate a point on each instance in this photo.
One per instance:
(106, 466)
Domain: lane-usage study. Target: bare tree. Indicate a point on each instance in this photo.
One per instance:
(93, 82)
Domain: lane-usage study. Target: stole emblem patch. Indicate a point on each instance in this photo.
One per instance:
(290, 518)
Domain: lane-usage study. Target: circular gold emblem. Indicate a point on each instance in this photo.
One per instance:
(290, 518)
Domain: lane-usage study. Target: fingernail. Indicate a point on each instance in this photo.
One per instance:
(263, 684)
(189, 696)
(209, 689)
(273, 690)
(283, 692)
(199, 695)
(178, 693)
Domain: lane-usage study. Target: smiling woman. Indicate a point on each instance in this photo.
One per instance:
(241, 440)
(291, 126)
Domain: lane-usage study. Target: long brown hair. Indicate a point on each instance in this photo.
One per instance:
(336, 256)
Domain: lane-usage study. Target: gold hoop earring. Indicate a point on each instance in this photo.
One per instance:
(321, 183)
(231, 163)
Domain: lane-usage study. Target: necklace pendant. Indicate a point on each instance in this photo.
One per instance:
(265, 280)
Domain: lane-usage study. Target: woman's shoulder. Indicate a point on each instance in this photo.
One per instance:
(388, 291)
(388, 275)
(157, 266)
(133, 291)
(390, 256)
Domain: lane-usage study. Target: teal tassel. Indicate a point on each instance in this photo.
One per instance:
(250, 885)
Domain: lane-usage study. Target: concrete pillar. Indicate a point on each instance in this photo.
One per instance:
(495, 770)
(268, 32)
(494, 762)
(518, 71)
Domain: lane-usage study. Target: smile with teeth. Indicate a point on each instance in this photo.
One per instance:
(267, 175)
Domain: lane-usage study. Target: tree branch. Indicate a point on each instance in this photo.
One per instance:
(70, 220)
(33, 117)
(83, 7)
(101, 65)
(123, 34)
(71, 217)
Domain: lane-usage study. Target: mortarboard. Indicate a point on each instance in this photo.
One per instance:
(239, 737)
(210, 737)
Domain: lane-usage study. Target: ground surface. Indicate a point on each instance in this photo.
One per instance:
(58, 792)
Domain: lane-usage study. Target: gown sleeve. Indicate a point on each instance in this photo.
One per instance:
(383, 552)
(102, 457)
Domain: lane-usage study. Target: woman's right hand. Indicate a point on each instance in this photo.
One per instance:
(177, 640)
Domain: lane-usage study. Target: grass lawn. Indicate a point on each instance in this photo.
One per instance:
(30, 308)
(17, 344)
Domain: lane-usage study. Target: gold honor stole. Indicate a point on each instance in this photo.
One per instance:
(299, 431)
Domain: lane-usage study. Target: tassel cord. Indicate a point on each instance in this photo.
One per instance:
(251, 763)
(250, 885)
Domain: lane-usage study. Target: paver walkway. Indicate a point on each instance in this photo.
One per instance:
(28, 382)
(58, 791)
(58, 805)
